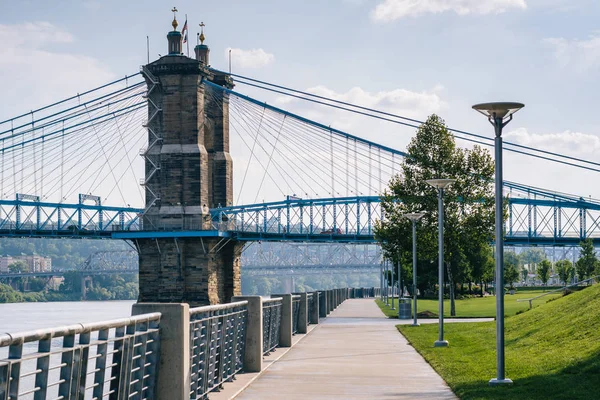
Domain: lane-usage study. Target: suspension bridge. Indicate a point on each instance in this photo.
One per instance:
(73, 169)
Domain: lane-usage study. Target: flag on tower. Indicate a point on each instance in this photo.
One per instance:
(184, 31)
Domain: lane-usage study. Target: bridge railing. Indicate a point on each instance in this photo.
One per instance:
(217, 345)
(271, 322)
(295, 313)
(117, 359)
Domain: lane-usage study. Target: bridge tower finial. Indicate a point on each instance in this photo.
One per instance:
(174, 37)
(174, 23)
(202, 51)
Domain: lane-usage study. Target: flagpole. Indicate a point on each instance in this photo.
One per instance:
(187, 42)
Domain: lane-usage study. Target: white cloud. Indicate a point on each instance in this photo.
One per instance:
(38, 75)
(417, 105)
(253, 58)
(567, 142)
(398, 101)
(390, 10)
(580, 54)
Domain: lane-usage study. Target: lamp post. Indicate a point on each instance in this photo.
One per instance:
(440, 185)
(499, 115)
(414, 217)
(381, 281)
(392, 273)
(385, 280)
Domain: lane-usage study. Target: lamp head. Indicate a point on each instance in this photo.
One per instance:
(414, 217)
(499, 109)
(440, 183)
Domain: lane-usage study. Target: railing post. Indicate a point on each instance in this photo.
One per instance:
(303, 313)
(173, 379)
(314, 311)
(322, 304)
(286, 327)
(253, 356)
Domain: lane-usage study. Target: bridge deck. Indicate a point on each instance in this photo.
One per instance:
(356, 353)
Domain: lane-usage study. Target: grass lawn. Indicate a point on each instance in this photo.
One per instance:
(552, 351)
(477, 307)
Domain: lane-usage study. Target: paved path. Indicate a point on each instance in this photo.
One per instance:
(356, 353)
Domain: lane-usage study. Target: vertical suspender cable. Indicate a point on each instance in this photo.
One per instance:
(332, 174)
(347, 184)
(62, 162)
(14, 162)
(370, 171)
(356, 192)
(379, 161)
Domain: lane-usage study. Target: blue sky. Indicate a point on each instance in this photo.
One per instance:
(413, 57)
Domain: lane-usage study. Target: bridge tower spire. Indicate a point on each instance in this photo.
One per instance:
(188, 171)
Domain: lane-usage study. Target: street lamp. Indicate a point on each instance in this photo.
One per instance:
(381, 280)
(440, 185)
(414, 217)
(392, 273)
(499, 115)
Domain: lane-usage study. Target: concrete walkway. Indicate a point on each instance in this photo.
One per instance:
(356, 353)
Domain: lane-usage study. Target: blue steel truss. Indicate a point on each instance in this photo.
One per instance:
(342, 219)
(28, 216)
(535, 217)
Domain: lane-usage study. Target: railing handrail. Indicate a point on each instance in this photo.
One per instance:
(559, 289)
(9, 339)
(296, 297)
(272, 300)
(217, 307)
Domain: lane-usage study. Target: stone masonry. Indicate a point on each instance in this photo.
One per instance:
(188, 171)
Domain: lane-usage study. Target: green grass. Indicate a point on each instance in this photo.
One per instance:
(477, 307)
(552, 351)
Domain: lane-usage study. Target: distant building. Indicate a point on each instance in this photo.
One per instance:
(5, 261)
(34, 262)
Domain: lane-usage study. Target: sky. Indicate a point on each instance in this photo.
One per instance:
(411, 57)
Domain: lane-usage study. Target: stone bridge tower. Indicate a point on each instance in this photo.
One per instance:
(188, 171)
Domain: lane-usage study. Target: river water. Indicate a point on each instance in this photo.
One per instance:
(18, 317)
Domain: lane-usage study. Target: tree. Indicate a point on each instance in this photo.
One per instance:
(511, 268)
(469, 207)
(524, 273)
(565, 271)
(543, 271)
(532, 257)
(587, 260)
(18, 267)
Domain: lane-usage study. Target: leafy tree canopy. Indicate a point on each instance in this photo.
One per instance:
(469, 207)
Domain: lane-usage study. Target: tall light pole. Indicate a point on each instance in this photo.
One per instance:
(381, 280)
(414, 217)
(392, 273)
(385, 280)
(499, 115)
(440, 185)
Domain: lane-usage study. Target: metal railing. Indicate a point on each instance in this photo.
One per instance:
(217, 345)
(295, 313)
(271, 323)
(115, 359)
(530, 300)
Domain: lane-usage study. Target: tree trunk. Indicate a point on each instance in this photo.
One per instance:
(451, 285)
